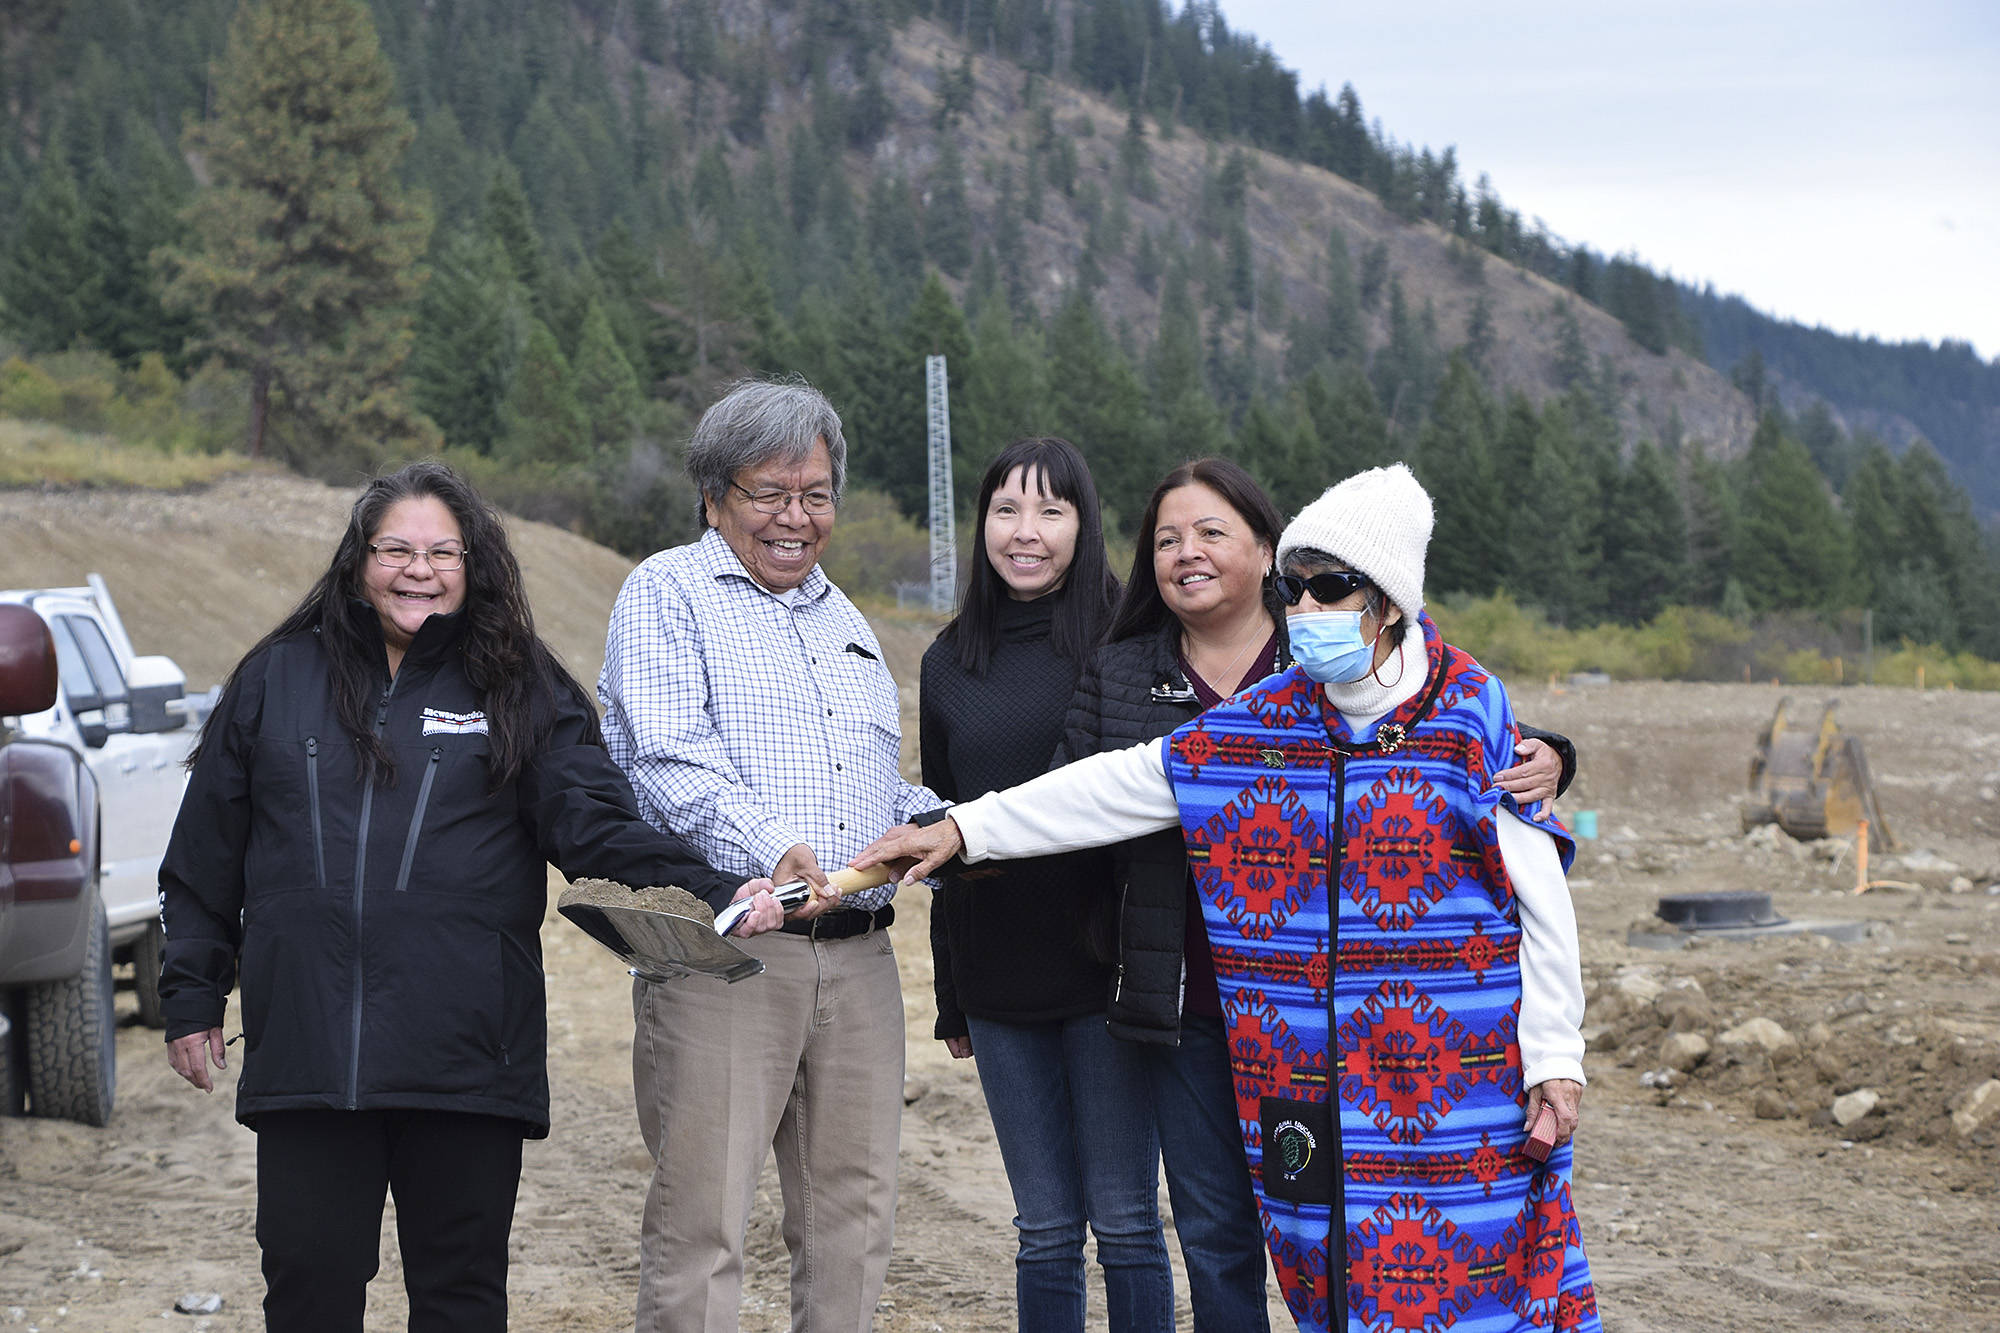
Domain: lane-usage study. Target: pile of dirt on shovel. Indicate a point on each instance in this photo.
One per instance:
(658, 898)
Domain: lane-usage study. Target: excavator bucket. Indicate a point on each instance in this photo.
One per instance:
(1813, 782)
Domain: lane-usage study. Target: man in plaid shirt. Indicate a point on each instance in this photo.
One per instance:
(747, 699)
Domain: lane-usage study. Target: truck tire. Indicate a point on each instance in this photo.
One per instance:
(148, 952)
(13, 1059)
(72, 1038)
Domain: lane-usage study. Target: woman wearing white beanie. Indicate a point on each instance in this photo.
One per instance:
(1437, 992)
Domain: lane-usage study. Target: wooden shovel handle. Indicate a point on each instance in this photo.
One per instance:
(848, 880)
(843, 881)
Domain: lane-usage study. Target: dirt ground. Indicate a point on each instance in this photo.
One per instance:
(1722, 1197)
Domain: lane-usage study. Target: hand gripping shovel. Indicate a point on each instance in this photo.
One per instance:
(664, 933)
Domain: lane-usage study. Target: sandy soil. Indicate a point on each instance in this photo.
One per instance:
(1699, 1213)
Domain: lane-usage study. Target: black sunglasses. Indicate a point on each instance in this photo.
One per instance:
(1327, 588)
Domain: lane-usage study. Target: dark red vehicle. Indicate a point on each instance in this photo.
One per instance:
(57, 1046)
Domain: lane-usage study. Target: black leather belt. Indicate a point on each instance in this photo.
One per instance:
(843, 923)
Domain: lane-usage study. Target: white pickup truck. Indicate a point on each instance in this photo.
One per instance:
(129, 719)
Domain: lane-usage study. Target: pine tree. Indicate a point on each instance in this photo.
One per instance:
(1792, 547)
(1006, 397)
(883, 413)
(1242, 265)
(1274, 443)
(956, 90)
(506, 217)
(1572, 356)
(895, 243)
(1344, 339)
(1031, 189)
(442, 162)
(1305, 348)
(471, 328)
(1454, 459)
(816, 335)
(543, 420)
(936, 327)
(1374, 274)
(1146, 264)
(1350, 432)
(1944, 538)
(125, 219)
(1514, 453)
(947, 216)
(1097, 401)
(1712, 522)
(1748, 375)
(305, 247)
(1873, 504)
(1190, 423)
(51, 278)
(1405, 367)
(772, 348)
(1552, 560)
(1135, 159)
(1479, 333)
(804, 172)
(1645, 540)
(606, 389)
(650, 25)
(1828, 446)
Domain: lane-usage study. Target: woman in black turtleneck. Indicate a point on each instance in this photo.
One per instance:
(1022, 971)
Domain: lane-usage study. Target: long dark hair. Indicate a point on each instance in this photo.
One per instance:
(1142, 610)
(1083, 603)
(518, 679)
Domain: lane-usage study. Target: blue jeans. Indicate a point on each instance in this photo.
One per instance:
(1208, 1177)
(1076, 1134)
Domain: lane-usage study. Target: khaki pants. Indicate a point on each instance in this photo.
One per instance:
(806, 1060)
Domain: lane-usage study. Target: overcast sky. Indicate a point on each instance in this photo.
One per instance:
(1836, 163)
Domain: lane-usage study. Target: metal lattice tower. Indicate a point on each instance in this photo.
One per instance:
(944, 531)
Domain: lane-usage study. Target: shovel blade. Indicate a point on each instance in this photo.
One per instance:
(659, 946)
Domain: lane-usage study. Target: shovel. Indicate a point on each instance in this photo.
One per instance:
(661, 934)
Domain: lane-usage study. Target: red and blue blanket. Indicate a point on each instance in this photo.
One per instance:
(1373, 1030)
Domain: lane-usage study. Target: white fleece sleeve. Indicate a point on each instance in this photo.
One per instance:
(1093, 802)
(1551, 967)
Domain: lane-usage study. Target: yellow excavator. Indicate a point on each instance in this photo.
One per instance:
(1813, 782)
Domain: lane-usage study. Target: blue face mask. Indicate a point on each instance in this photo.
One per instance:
(1328, 646)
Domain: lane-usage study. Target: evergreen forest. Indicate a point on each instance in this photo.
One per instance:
(536, 237)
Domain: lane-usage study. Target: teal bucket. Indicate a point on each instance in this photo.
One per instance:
(1584, 823)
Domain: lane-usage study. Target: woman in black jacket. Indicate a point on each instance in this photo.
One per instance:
(364, 845)
(1199, 621)
(1021, 983)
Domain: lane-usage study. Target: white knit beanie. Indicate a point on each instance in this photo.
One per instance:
(1377, 522)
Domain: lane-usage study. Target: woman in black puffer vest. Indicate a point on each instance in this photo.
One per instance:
(1199, 621)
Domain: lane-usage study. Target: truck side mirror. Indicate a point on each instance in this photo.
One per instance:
(155, 685)
(28, 671)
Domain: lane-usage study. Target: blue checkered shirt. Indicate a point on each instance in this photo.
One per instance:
(749, 725)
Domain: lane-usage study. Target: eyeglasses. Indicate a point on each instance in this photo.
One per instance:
(395, 555)
(1331, 586)
(775, 501)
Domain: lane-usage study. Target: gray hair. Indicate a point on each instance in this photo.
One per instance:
(756, 421)
(1306, 561)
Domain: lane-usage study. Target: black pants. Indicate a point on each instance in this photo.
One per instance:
(321, 1179)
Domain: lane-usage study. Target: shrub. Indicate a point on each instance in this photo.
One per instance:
(1693, 643)
(875, 547)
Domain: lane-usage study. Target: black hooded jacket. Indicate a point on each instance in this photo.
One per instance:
(1132, 691)
(387, 934)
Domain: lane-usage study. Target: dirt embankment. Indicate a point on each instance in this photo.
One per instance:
(1727, 1194)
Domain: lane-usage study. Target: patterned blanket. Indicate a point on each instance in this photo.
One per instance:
(1445, 1224)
